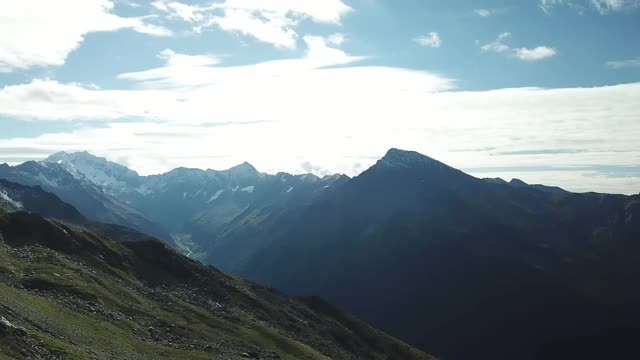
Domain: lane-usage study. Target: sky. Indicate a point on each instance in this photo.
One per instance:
(547, 91)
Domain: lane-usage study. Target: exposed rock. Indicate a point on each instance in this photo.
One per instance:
(8, 329)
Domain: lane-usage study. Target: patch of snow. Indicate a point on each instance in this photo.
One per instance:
(5, 196)
(144, 189)
(309, 177)
(5, 323)
(59, 161)
(393, 164)
(290, 189)
(47, 181)
(184, 195)
(215, 196)
(248, 189)
(235, 188)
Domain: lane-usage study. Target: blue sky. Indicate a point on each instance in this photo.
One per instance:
(544, 90)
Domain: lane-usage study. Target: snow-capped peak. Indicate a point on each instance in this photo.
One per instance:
(98, 170)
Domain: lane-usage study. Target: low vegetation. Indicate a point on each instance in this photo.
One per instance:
(66, 293)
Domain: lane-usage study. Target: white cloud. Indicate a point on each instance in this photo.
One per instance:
(607, 6)
(321, 11)
(548, 5)
(497, 46)
(526, 54)
(601, 6)
(484, 12)
(51, 100)
(431, 40)
(338, 134)
(270, 21)
(42, 33)
(180, 60)
(336, 39)
(268, 28)
(195, 89)
(195, 112)
(129, 3)
(535, 54)
(622, 64)
(319, 53)
(179, 10)
(274, 76)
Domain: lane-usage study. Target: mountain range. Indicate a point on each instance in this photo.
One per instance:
(458, 266)
(76, 189)
(67, 292)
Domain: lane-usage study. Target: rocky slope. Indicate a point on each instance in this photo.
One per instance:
(68, 293)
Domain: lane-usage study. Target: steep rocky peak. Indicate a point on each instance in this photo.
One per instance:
(396, 158)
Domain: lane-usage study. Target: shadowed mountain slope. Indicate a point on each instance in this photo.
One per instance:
(465, 267)
(66, 292)
(86, 196)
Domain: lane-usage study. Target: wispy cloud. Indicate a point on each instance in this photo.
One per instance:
(43, 33)
(197, 89)
(178, 60)
(269, 21)
(306, 103)
(526, 54)
(601, 6)
(577, 128)
(548, 5)
(607, 6)
(430, 40)
(622, 64)
(336, 39)
(488, 12)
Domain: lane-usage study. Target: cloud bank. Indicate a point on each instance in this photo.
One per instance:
(269, 21)
(65, 23)
(328, 111)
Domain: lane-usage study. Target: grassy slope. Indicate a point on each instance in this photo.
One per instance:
(79, 296)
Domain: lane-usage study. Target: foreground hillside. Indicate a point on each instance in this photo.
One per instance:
(67, 293)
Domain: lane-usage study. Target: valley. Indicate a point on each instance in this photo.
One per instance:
(419, 249)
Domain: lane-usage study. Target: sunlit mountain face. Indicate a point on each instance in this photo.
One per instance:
(222, 179)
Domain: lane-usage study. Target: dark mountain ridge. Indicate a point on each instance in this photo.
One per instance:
(77, 190)
(66, 292)
(462, 266)
(201, 212)
(35, 200)
(459, 266)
